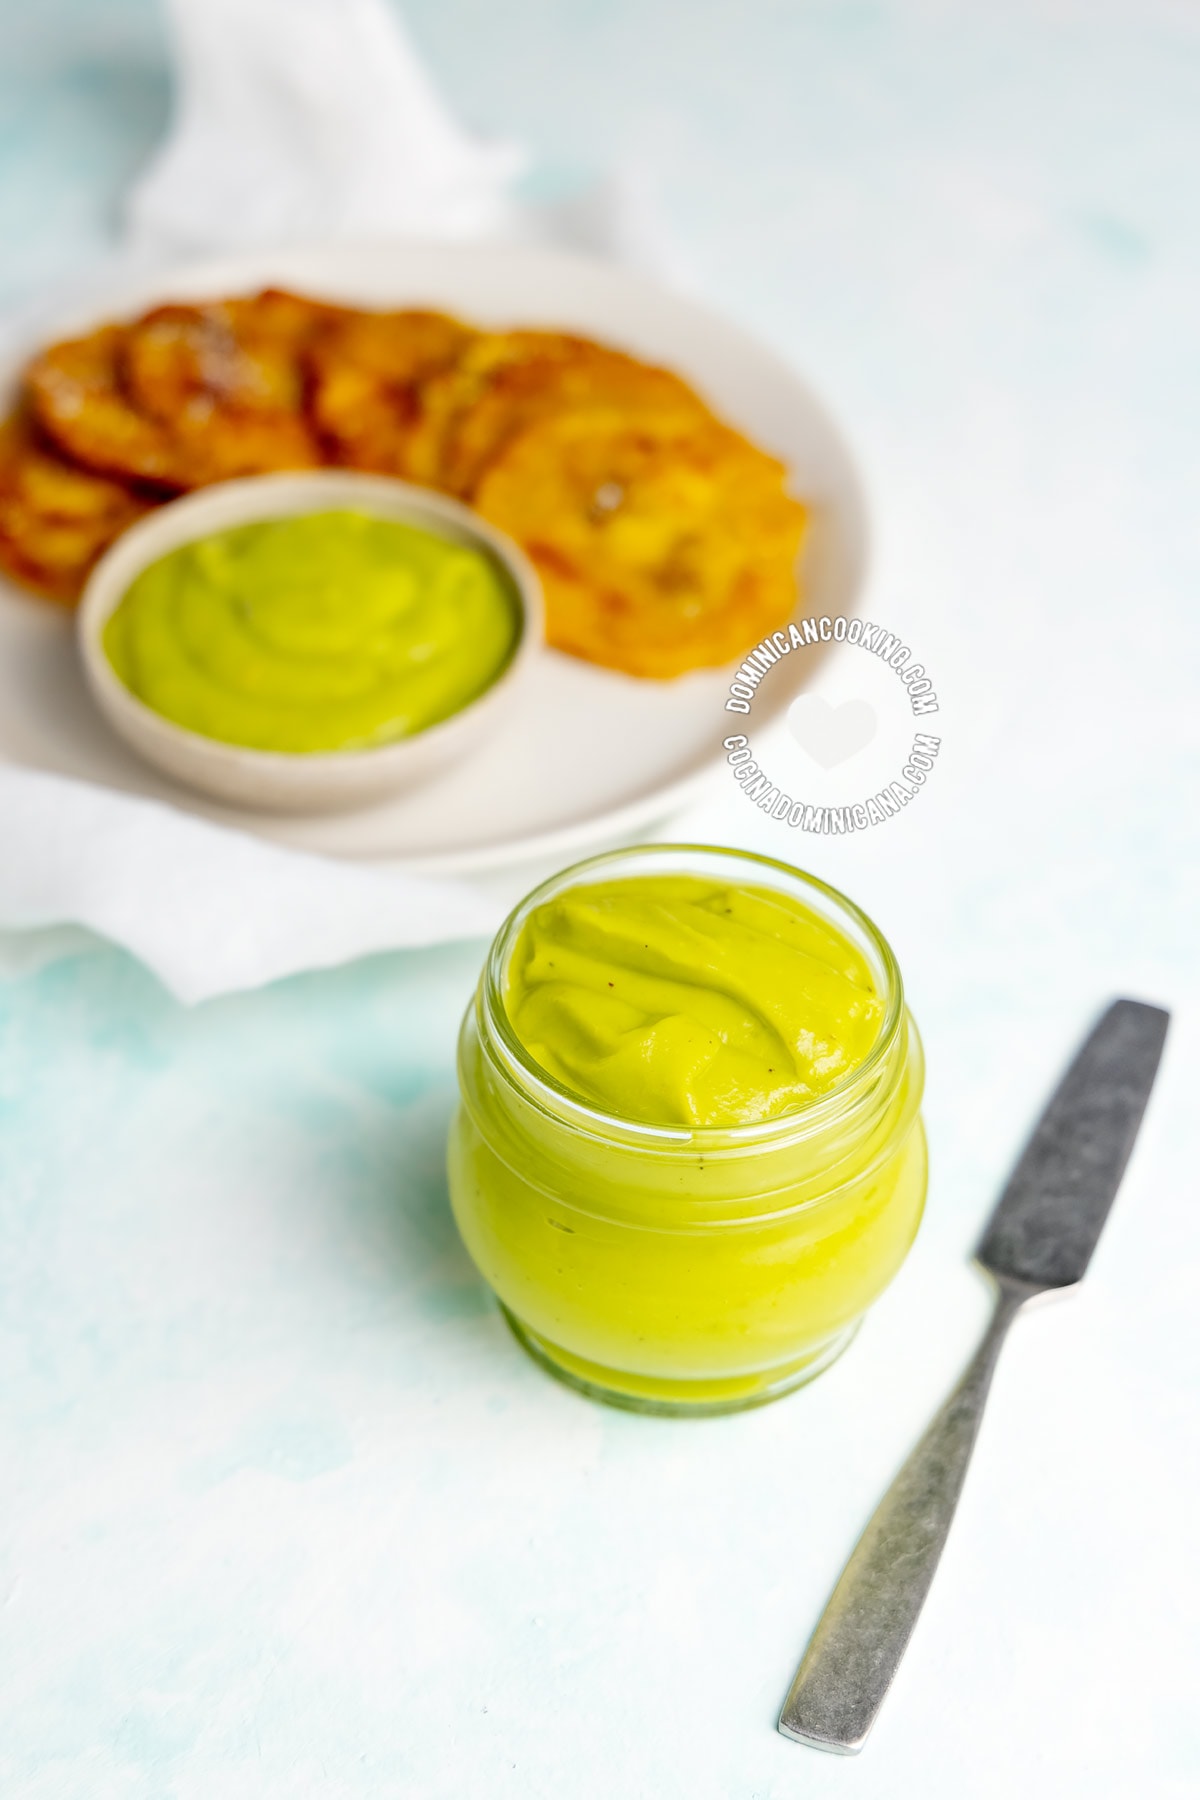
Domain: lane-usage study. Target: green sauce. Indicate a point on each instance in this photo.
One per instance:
(680, 1001)
(331, 631)
(711, 1232)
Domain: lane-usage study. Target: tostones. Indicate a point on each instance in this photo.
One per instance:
(242, 356)
(55, 519)
(186, 395)
(665, 542)
(368, 374)
(522, 389)
(76, 397)
(447, 400)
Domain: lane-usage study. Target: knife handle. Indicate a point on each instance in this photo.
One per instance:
(865, 1628)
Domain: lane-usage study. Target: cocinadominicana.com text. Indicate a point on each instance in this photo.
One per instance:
(831, 821)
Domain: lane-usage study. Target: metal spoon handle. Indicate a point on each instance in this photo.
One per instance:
(865, 1628)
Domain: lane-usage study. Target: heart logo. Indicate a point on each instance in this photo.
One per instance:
(831, 734)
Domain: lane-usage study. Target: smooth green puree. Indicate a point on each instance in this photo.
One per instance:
(654, 1249)
(681, 1001)
(331, 631)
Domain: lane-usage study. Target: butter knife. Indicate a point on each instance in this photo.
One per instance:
(1040, 1237)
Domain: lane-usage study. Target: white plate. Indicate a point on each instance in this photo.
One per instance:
(593, 755)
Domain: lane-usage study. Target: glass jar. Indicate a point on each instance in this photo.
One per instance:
(687, 1270)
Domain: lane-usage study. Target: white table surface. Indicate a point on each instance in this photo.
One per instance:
(286, 1512)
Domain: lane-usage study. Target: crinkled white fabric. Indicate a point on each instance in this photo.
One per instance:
(298, 119)
(210, 910)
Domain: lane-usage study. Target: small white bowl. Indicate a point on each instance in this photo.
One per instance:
(325, 781)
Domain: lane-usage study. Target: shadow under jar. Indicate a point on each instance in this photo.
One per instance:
(680, 1269)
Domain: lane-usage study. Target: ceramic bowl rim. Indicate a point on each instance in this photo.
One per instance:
(255, 498)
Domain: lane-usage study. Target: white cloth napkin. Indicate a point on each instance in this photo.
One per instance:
(303, 119)
(208, 909)
(293, 119)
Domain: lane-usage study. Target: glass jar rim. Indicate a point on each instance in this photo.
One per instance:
(553, 1097)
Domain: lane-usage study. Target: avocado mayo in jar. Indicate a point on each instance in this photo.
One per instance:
(331, 631)
(688, 1154)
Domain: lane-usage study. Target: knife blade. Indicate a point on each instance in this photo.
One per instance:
(1041, 1235)
(1048, 1220)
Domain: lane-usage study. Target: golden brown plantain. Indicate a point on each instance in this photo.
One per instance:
(665, 542)
(187, 394)
(447, 399)
(368, 371)
(55, 519)
(519, 392)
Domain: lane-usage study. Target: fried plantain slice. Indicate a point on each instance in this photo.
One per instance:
(446, 400)
(245, 355)
(76, 397)
(368, 370)
(55, 518)
(522, 389)
(665, 542)
(186, 395)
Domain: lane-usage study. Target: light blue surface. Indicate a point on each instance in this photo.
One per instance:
(288, 1513)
